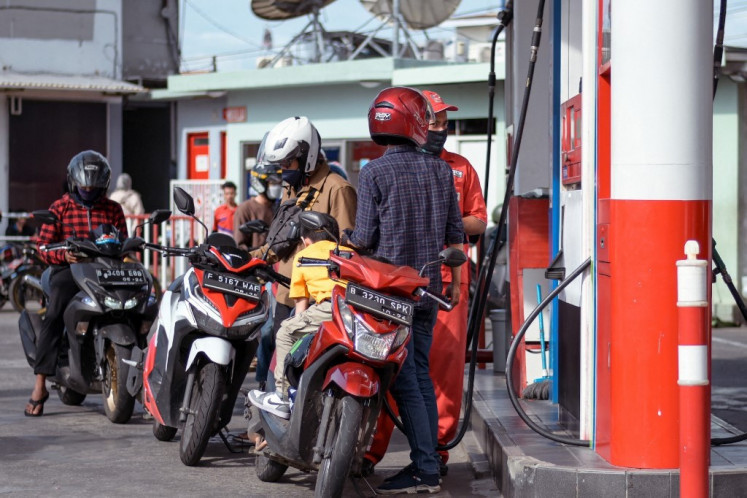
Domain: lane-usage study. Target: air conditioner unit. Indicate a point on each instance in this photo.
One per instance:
(264, 61)
(480, 52)
(284, 61)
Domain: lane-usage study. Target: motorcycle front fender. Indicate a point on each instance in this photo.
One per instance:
(354, 378)
(218, 350)
(118, 333)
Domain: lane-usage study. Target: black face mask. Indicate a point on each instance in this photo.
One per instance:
(435, 143)
(293, 177)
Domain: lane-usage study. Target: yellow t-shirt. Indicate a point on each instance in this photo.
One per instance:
(313, 281)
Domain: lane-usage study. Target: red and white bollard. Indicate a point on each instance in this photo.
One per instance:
(695, 399)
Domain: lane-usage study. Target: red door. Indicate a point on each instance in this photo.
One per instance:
(223, 154)
(198, 156)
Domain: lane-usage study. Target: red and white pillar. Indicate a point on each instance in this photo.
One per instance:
(660, 196)
(693, 379)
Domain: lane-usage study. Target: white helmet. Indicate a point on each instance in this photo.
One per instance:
(292, 138)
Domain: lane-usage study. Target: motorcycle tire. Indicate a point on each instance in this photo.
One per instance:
(269, 470)
(118, 403)
(25, 297)
(163, 432)
(204, 405)
(70, 397)
(341, 441)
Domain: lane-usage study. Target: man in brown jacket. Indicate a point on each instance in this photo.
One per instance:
(294, 145)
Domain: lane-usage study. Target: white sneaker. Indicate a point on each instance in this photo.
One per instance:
(270, 402)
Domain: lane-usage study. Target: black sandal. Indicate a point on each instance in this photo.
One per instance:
(34, 404)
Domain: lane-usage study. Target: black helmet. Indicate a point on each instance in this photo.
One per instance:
(88, 169)
(262, 173)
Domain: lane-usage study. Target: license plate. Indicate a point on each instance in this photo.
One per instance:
(395, 309)
(233, 285)
(120, 276)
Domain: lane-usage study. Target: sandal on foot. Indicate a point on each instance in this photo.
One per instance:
(34, 403)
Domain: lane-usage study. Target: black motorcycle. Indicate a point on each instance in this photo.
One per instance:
(111, 314)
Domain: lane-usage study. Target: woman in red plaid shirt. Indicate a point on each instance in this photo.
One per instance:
(80, 211)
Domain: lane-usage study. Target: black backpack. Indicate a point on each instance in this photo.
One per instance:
(284, 233)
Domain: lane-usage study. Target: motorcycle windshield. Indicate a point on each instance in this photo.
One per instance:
(107, 239)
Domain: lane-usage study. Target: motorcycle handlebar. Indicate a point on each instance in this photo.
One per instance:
(304, 261)
(269, 274)
(172, 251)
(443, 301)
(54, 246)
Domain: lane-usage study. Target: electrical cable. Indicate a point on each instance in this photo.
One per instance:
(512, 352)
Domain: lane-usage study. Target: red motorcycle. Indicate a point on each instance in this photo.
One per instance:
(343, 372)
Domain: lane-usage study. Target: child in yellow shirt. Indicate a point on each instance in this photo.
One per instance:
(307, 283)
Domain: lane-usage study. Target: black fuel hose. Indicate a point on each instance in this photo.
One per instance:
(479, 300)
(512, 353)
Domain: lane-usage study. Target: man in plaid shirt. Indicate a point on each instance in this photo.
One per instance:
(407, 212)
(79, 211)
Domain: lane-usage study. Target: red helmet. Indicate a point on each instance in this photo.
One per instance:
(399, 115)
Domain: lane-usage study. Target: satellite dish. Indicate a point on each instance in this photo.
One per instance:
(277, 10)
(418, 14)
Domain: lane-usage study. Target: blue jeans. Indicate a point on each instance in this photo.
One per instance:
(414, 394)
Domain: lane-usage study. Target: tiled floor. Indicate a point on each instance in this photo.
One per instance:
(527, 464)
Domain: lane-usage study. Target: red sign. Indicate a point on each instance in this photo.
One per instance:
(234, 114)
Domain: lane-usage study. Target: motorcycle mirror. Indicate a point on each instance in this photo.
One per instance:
(452, 257)
(159, 216)
(312, 220)
(254, 226)
(156, 218)
(184, 201)
(44, 216)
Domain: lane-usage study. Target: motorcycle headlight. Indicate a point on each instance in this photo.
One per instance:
(198, 299)
(348, 320)
(402, 333)
(370, 344)
(131, 303)
(112, 304)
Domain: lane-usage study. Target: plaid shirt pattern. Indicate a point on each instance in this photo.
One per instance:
(408, 209)
(80, 218)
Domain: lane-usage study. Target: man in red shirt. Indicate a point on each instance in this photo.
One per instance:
(223, 216)
(79, 212)
(450, 332)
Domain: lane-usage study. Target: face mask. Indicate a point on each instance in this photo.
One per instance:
(88, 195)
(274, 191)
(435, 143)
(293, 177)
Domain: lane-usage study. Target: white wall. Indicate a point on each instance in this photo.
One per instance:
(82, 37)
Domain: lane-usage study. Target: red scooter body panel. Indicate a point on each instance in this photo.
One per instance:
(399, 280)
(228, 314)
(148, 401)
(354, 378)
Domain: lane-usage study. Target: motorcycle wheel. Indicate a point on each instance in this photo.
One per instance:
(26, 297)
(163, 432)
(204, 405)
(118, 403)
(342, 439)
(269, 470)
(70, 397)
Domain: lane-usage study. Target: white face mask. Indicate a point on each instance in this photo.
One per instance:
(274, 191)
